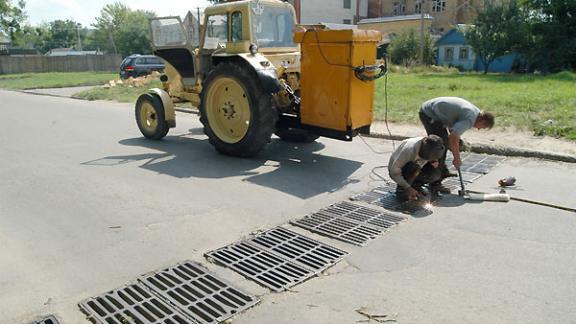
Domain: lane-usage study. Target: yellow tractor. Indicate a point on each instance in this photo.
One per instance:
(254, 72)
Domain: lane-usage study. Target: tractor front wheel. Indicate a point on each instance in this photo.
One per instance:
(236, 112)
(150, 117)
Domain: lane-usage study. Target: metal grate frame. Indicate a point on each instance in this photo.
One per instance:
(198, 293)
(133, 303)
(261, 265)
(349, 222)
(47, 320)
(309, 253)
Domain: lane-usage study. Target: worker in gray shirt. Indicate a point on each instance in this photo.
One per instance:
(449, 118)
(414, 163)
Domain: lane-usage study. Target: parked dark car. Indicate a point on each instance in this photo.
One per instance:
(138, 65)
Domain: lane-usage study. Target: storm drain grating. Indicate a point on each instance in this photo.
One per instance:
(477, 163)
(381, 199)
(365, 215)
(349, 222)
(299, 249)
(260, 265)
(330, 225)
(198, 293)
(133, 303)
(47, 320)
(388, 200)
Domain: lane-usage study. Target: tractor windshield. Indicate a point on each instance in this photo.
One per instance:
(272, 26)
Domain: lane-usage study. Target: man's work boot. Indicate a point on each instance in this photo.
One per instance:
(448, 174)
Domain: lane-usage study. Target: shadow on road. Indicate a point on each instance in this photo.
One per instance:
(291, 168)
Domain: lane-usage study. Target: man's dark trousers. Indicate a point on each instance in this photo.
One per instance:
(417, 177)
(436, 128)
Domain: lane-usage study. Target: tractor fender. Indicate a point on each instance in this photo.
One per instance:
(266, 71)
(169, 112)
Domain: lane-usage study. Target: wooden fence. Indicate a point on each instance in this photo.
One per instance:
(39, 63)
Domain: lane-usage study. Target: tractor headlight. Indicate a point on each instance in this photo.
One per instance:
(253, 49)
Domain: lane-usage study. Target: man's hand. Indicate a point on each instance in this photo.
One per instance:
(412, 194)
(457, 162)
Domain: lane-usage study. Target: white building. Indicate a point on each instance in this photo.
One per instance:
(330, 11)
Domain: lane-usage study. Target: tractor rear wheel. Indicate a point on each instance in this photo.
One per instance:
(150, 117)
(236, 112)
(296, 135)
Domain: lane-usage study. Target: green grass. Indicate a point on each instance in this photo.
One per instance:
(545, 105)
(54, 79)
(120, 93)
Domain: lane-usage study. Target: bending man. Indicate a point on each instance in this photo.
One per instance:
(449, 118)
(414, 164)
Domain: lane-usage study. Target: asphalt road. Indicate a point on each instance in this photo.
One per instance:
(87, 205)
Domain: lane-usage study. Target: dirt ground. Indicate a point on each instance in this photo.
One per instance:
(497, 137)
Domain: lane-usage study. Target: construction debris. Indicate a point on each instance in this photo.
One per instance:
(131, 82)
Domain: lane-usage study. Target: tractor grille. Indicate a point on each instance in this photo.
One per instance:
(133, 303)
(261, 265)
(198, 293)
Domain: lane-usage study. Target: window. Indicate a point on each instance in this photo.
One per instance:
(216, 32)
(399, 8)
(272, 27)
(347, 4)
(236, 26)
(449, 53)
(438, 5)
(463, 54)
(167, 32)
(347, 21)
(418, 7)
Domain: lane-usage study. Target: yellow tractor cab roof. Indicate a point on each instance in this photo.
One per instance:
(238, 5)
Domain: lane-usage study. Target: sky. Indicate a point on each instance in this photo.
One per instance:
(85, 11)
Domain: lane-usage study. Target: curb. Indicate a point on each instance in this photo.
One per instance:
(498, 150)
(474, 147)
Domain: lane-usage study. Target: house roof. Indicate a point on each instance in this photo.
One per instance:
(454, 36)
(394, 18)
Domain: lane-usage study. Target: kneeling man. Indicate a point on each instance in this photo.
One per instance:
(414, 164)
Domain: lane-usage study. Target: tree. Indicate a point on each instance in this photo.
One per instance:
(122, 30)
(405, 48)
(497, 31)
(11, 16)
(552, 27)
(64, 33)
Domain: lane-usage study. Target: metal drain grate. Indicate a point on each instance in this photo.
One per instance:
(133, 303)
(333, 226)
(260, 265)
(389, 201)
(198, 293)
(381, 199)
(47, 320)
(299, 249)
(477, 163)
(364, 215)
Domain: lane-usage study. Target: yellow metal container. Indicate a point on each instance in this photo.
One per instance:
(332, 96)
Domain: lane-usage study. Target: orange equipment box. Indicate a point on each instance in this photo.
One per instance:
(332, 95)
